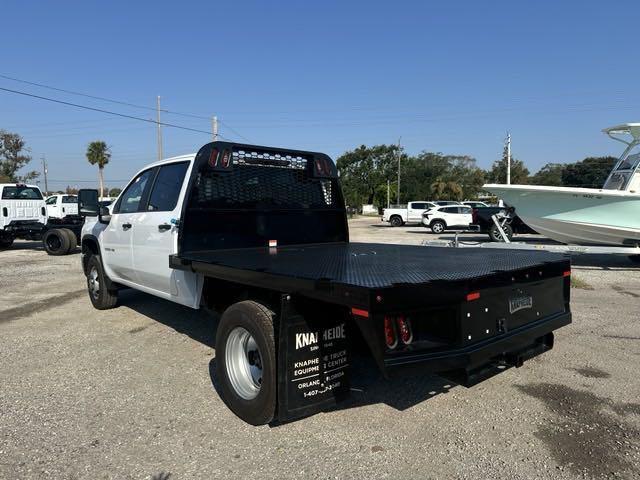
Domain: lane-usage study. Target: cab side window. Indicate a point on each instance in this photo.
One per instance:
(52, 200)
(167, 186)
(130, 200)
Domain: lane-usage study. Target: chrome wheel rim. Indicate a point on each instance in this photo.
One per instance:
(244, 363)
(438, 228)
(94, 283)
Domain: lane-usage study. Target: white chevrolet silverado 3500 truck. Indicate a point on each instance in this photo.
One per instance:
(261, 234)
(23, 213)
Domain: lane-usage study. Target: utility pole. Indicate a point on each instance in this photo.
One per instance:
(388, 193)
(508, 158)
(45, 171)
(398, 195)
(214, 128)
(159, 130)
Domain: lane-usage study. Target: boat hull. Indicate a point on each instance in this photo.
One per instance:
(579, 216)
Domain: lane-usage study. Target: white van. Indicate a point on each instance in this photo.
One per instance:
(23, 212)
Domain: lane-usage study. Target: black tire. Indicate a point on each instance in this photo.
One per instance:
(396, 221)
(259, 405)
(5, 243)
(494, 233)
(438, 226)
(56, 242)
(101, 297)
(73, 240)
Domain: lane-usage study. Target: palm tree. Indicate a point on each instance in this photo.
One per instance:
(98, 154)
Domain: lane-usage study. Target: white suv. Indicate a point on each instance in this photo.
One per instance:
(448, 217)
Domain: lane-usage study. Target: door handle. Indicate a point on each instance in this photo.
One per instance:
(126, 226)
(164, 226)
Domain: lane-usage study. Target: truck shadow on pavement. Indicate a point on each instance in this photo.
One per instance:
(367, 385)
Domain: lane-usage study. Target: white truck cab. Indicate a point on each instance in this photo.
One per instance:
(412, 213)
(144, 219)
(62, 205)
(23, 212)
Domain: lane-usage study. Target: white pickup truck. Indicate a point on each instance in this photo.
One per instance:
(412, 213)
(23, 213)
(261, 235)
(61, 205)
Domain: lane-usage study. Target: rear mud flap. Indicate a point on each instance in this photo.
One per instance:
(313, 363)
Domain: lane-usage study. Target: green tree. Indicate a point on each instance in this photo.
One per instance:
(13, 157)
(550, 174)
(98, 154)
(114, 192)
(443, 190)
(364, 170)
(590, 172)
(498, 172)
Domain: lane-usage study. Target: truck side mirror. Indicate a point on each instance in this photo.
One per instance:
(88, 205)
(105, 215)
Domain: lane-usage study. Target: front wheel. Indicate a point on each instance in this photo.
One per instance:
(438, 226)
(101, 297)
(246, 361)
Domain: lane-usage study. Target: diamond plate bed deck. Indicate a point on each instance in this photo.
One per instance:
(363, 266)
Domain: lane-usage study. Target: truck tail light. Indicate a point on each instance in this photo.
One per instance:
(474, 215)
(567, 273)
(473, 296)
(404, 329)
(390, 337)
(44, 212)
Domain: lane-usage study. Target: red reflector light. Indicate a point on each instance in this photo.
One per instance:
(359, 312)
(567, 273)
(404, 330)
(390, 333)
(473, 296)
(213, 158)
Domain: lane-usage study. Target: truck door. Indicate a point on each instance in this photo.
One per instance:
(415, 210)
(118, 236)
(155, 237)
(52, 206)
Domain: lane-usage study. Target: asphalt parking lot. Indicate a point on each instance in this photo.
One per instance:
(130, 392)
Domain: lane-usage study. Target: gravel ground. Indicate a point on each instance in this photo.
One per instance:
(130, 393)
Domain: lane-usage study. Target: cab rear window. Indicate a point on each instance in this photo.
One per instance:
(21, 193)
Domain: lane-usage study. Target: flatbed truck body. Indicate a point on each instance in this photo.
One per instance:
(260, 234)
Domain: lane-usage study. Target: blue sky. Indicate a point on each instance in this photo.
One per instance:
(328, 76)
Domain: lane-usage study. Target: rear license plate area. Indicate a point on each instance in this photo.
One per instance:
(500, 310)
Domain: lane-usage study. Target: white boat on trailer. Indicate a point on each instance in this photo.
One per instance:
(609, 216)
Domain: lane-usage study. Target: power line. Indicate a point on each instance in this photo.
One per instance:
(106, 111)
(119, 102)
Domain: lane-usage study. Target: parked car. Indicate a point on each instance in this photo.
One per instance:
(23, 212)
(482, 222)
(24, 216)
(411, 213)
(448, 217)
(474, 203)
(260, 234)
(62, 205)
